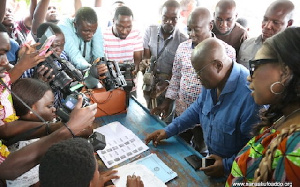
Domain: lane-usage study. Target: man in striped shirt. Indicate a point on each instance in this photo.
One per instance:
(123, 43)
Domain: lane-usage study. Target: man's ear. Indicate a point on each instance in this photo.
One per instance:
(236, 16)
(211, 25)
(290, 23)
(218, 65)
(75, 25)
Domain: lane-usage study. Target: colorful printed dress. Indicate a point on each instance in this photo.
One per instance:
(285, 166)
(7, 113)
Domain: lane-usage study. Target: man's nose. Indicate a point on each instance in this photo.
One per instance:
(3, 60)
(268, 24)
(223, 23)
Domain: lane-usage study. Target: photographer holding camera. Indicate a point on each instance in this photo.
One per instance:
(14, 164)
(48, 70)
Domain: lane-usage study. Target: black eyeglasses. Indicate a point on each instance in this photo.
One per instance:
(253, 64)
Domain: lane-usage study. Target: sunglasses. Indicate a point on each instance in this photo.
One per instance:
(253, 64)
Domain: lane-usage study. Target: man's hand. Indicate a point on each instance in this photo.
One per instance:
(156, 137)
(160, 87)
(216, 170)
(144, 65)
(101, 70)
(81, 118)
(163, 109)
(44, 74)
(107, 176)
(134, 181)
(29, 57)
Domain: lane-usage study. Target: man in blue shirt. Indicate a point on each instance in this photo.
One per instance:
(224, 108)
(84, 42)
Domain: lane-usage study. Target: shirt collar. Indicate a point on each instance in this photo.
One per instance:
(173, 35)
(232, 81)
(258, 39)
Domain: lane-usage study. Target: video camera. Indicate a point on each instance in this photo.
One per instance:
(118, 75)
(114, 78)
(67, 78)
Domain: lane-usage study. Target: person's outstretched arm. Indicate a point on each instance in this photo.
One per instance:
(2, 9)
(39, 15)
(29, 18)
(24, 159)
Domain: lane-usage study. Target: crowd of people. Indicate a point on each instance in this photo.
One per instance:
(233, 98)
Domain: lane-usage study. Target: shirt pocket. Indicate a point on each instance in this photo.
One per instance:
(223, 137)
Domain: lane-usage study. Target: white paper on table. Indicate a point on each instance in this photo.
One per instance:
(157, 167)
(121, 144)
(148, 178)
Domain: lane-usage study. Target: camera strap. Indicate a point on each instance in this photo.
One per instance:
(27, 133)
(159, 52)
(162, 50)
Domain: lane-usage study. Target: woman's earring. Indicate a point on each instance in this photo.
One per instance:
(273, 85)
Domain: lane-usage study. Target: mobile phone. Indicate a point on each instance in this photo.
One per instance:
(47, 45)
(197, 162)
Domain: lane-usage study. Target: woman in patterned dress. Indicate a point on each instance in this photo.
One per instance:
(273, 154)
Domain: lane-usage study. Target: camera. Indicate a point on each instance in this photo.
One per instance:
(113, 77)
(97, 140)
(149, 79)
(67, 79)
(118, 75)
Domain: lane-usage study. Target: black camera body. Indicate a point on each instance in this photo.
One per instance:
(69, 103)
(113, 77)
(97, 140)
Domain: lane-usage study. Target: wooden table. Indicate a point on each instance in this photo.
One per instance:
(171, 151)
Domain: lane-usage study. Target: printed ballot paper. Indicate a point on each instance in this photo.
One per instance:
(121, 144)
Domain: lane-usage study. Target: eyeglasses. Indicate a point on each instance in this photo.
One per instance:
(201, 70)
(253, 64)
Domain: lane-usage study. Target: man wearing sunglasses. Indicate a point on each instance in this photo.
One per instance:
(224, 108)
(278, 16)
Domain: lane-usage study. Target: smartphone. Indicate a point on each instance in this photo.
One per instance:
(47, 45)
(197, 162)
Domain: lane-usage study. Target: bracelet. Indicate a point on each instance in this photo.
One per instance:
(47, 127)
(167, 81)
(73, 135)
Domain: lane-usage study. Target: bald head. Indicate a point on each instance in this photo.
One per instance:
(210, 48)
(225, 5)
(225, 16)
(282, 7)
(202, 13)
(278, 16)
(211, 63)
(200, 23)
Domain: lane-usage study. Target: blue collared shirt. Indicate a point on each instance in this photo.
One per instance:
(226, 122)
(74, 45)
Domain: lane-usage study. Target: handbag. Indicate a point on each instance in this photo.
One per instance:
(108, 102)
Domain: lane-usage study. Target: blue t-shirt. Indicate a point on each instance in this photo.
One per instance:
(12, 54)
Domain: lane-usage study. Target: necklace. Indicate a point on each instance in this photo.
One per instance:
(276, 124)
